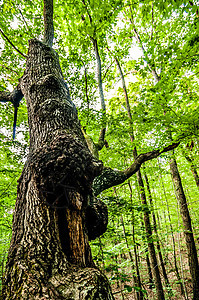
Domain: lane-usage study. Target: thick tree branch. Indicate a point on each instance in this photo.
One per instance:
(110, 177)
(9, 41)
(48, 23)
(5, 96)
(15, 96)
(101, 140)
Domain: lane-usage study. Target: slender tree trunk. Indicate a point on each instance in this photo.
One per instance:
(172, 235)
(137, 282)
(188, 233)
(151, 283)
(154, 262)
(149, 269)
(49, 255)
(156, 232)
(48, 23)
(138, 293)
(155, 268)
(102, 253)
(179, 246)
(101, 93)
(193, 168)
(119, 283)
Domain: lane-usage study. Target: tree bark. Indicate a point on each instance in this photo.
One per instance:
(181, 281)
(48, 23)
(151, 248)
(157, 236)
(193, 168)
(188, 233)
(101, 141)
(49, 256)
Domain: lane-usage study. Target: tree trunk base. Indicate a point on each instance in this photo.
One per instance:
(80, 284)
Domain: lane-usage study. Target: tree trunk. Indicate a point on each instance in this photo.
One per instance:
(153, 258)
(137, 281)
(193, 168)
(155, 268)
(181, 281)
(188, 233)
(49, 256)
(101, 94)
(157, 236)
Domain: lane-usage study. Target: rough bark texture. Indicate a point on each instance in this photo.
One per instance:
(187, 227)
(49, 256)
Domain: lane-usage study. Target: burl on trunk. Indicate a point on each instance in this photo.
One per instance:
(56, 213)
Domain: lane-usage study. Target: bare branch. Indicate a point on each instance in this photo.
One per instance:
(9, 41)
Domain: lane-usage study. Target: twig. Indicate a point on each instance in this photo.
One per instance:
(9, 69)
(27, 27)
(9, 41)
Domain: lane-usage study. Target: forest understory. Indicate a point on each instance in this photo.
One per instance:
(120, 287)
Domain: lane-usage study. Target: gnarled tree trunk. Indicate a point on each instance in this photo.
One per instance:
(55, 216)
